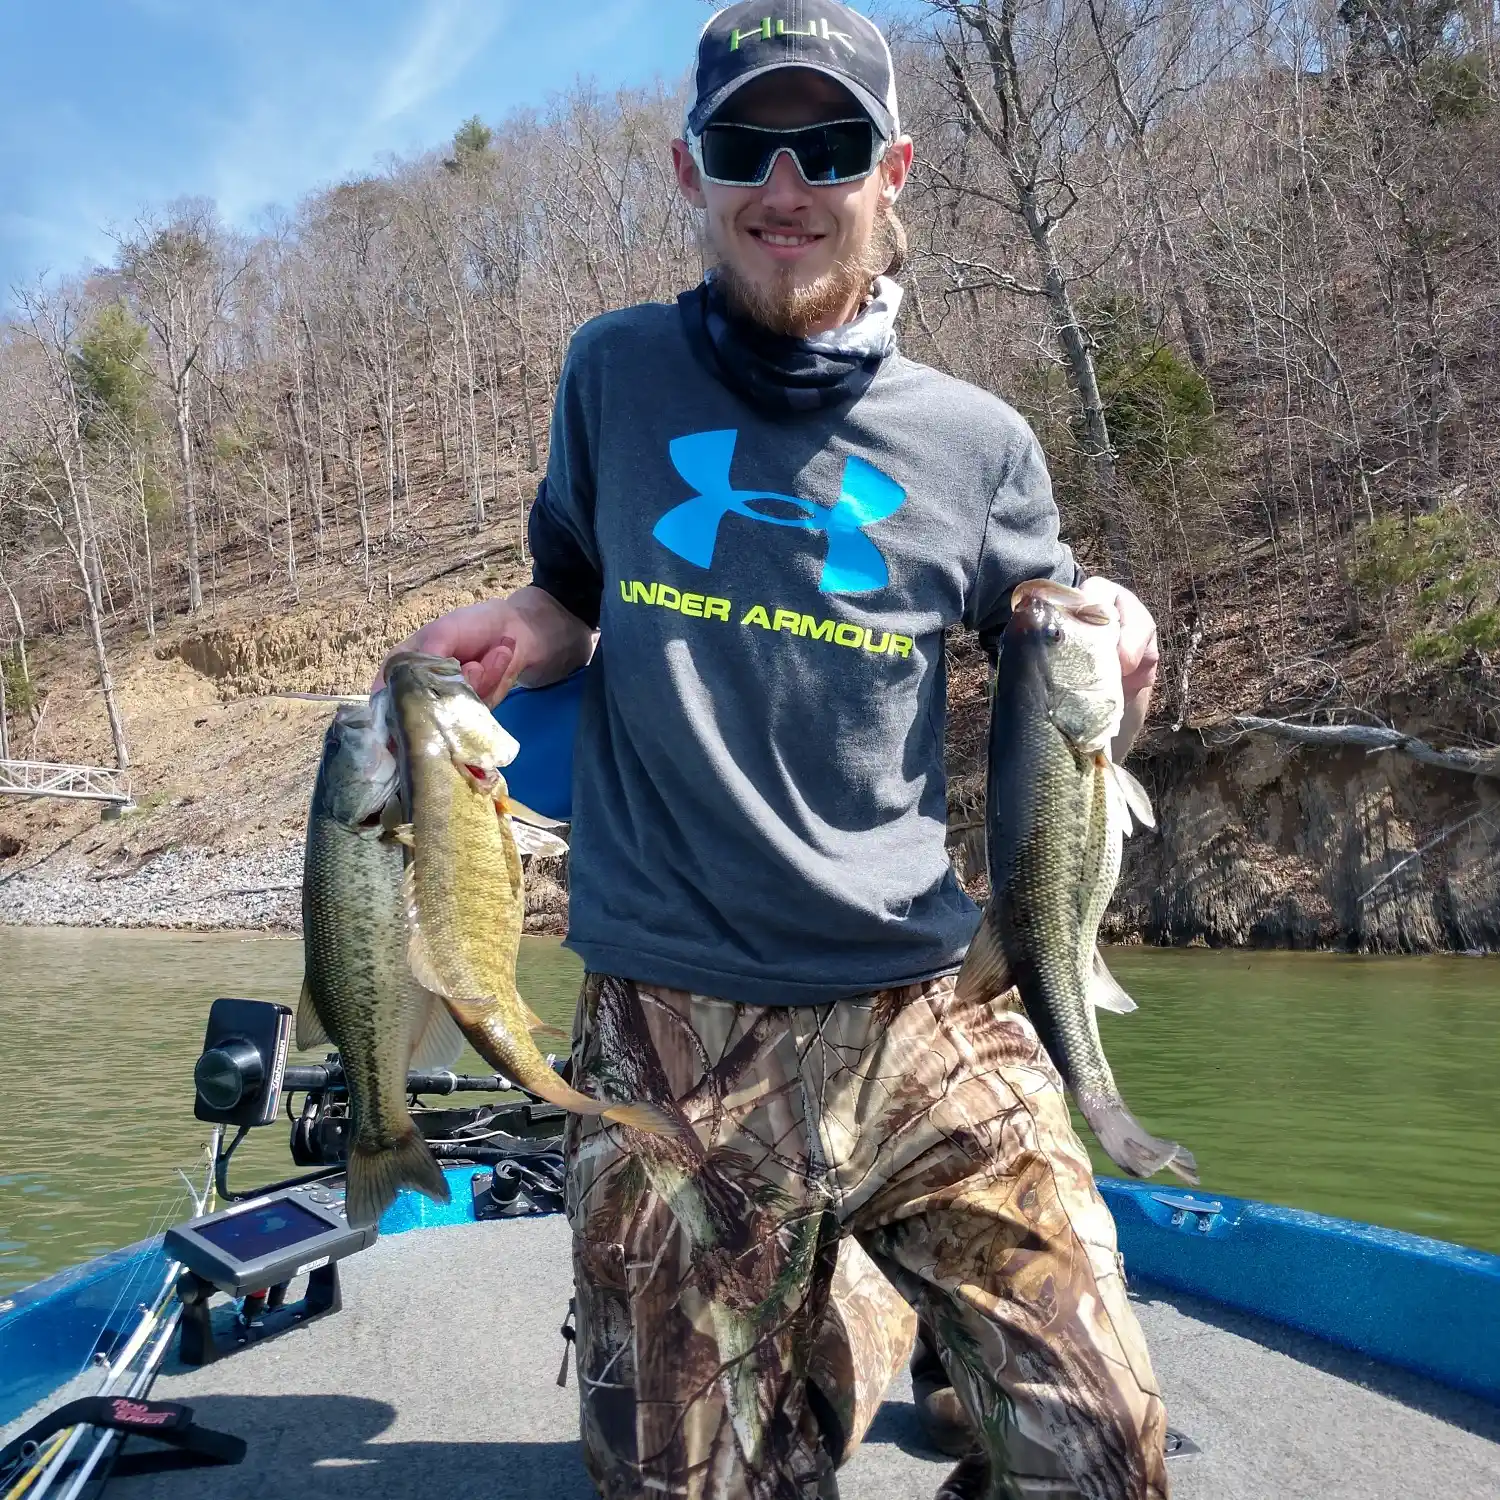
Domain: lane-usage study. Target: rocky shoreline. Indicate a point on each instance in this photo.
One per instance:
(1260, 844)
(190, 888)
(206, 890)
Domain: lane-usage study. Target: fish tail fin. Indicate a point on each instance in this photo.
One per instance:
(985, 974)
(646, 1117)
(377, 1173)
(1132, 1147)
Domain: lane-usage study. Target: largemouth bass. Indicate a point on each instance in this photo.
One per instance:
(358, 992)
(465, 898)
(1058, 809)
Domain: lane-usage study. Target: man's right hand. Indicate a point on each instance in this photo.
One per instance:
(497, 642)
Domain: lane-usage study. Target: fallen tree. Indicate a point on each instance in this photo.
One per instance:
(1372, 738)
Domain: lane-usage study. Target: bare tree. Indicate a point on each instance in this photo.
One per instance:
(47, 452)
(1033, 92)
(181, 273)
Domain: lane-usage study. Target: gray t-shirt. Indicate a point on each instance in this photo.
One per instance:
(759, 798)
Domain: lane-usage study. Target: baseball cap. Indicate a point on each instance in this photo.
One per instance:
(758, 36)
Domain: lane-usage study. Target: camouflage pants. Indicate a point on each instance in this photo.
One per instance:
(736, 1318)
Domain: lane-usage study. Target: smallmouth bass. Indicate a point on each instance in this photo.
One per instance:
(465, 898)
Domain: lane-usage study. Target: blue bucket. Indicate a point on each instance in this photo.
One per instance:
(544, 722)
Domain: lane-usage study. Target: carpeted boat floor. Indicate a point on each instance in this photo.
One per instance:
(438, 1378)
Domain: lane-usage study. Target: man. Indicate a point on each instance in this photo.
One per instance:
(770, 516)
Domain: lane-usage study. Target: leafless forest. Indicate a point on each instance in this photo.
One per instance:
(1238, 263)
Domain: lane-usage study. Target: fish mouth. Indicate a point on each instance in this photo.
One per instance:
(435, 691)
(358, 737)
(1047, 606)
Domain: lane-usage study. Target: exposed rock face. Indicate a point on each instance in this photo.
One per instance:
(1265, 844)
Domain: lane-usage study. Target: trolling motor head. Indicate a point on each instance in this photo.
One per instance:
(239, 1075)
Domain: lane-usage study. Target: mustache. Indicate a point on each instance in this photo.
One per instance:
(791, 310)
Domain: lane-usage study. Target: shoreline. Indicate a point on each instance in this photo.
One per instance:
(191, 888)
(179, 889)
(258, 893)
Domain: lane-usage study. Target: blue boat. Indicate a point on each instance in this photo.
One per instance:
(1298, 1354)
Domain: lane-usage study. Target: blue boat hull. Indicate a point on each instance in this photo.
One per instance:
(1422, 1305)
(1415, 1303)
(53, 1330)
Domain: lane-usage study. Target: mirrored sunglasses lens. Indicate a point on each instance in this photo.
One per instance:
(825, 153)
(734, 154)
(836, 153)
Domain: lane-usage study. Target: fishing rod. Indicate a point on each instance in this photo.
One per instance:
(139, 1386)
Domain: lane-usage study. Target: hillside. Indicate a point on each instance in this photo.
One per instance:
(1239, 272)
(222, 756)
(1259, 843)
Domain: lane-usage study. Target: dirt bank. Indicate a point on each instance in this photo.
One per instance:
(1264, 844)
(222, 762)
(1260, 843)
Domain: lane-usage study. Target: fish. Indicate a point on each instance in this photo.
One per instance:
(464, 887)
(1058, 809)
(358, 992)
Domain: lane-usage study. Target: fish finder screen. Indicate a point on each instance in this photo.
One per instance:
(261, 1231)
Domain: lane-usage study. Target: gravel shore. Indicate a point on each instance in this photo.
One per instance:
(204, 890)
(189, 888)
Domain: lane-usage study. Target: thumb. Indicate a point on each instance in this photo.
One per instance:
(498, 669)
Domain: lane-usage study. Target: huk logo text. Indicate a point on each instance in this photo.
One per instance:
(769, 27)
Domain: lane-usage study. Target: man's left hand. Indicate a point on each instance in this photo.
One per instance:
(1139, 654)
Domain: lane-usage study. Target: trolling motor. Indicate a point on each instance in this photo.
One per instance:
(255, 1247)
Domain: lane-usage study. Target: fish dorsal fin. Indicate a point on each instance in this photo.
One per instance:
(439, 1043)
(311, 1032)
(418, 959)
(537, 842)
(985, 974)
(1105, 991)
(1137, 799)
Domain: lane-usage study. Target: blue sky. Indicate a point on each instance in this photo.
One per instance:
(111, 106)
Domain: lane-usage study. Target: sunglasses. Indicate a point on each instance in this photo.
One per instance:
(832, 152)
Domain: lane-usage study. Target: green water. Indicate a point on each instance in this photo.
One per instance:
(99, 1032)
(1359, 1087)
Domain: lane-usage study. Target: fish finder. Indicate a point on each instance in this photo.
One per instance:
(254, 1250)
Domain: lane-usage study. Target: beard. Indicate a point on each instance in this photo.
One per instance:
(782, 306)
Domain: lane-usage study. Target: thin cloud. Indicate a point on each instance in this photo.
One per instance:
(445, 40)
(261, 102)
(339, 109)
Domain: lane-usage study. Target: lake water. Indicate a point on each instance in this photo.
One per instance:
(1365, 1088)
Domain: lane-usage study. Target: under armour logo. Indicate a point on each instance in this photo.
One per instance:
(853, 564)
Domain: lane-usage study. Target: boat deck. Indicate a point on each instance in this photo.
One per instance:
(438, 1378)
